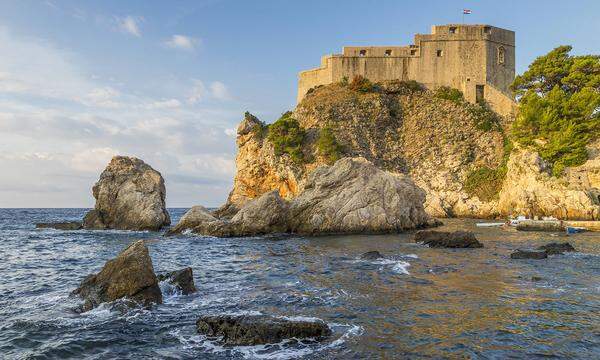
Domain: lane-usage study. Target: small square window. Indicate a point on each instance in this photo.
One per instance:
(440, 53)
(452, 30)
(388, 52)
(413, 52)
(362, 53)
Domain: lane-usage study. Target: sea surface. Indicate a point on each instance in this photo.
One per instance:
(417, 303)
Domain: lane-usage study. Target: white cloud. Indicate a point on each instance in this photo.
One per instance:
(182, 42)
(103, 97)
(198, 92)
(130, 25)
(219, 91)
(93, 160)
(164, 104)
(230, 132)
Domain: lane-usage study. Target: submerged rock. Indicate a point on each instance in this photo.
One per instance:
(130, 275)
(67, 225)
(244, 330)
(528, 254)
(540, 225)
(442, 239)
(130, 195)
(371, 255)
(182, 279)
(557, 248)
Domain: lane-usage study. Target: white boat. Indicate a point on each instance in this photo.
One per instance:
(489, 224)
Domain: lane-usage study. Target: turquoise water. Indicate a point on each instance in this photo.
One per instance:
(416, 303)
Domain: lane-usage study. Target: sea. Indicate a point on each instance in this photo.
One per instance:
(416, 303)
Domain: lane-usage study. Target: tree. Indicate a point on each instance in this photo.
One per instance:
(559, 107)
(287, 137)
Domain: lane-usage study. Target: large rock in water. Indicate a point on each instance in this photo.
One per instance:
(244, 330)
(182, 279)
(130, 195)
(442, 239)
(354, 196)
(130, 275)
(66, 225)
(194, 217)
(351, 196)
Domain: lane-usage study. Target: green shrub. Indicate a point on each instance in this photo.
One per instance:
(362, 84)
(448, 93)
(485, 183)
(327, 145)
(559, 107)
(287, 137)
(412, 85)
(485, 118)
(344, 81)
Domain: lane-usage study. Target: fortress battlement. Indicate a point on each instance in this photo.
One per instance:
(479, 60)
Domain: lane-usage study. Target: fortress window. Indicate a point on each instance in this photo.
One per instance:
(388, 52)
(440, 53)
(362, 53)
(487, 30)
(501, 55)
(452, 30)
(413, 52)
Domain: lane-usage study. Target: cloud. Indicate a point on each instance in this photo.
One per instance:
(103, 97)
(216, 90)
(182, 42)
(164, 104)
(130, 25)
(93, 160)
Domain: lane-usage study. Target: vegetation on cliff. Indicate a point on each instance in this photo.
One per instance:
(328, 146)
(559, 110)
(287, 137)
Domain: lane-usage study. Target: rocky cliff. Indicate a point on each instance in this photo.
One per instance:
(455, 151)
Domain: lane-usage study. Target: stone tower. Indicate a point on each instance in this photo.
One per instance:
(479, 60)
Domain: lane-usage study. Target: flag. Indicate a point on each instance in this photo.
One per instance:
(466, 12)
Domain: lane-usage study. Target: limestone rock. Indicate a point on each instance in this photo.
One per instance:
(130, 195)
(557, 248)
(528, 254)
(354, 196)
(68, 225)
(441, 239)
(540, 225)
(371, 255)
(246, 330)
(194, 217)
(530, 190)
(182, 279)
(130, 275)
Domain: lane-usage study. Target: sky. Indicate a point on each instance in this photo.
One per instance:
(168, 81)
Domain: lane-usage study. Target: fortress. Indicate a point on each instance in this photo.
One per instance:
(479, 60)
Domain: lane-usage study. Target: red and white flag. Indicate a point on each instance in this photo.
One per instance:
(466, 12)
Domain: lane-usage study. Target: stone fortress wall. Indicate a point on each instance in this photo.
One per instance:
(479, 60)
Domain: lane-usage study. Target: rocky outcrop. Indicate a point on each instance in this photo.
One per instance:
(130, 275)
(371, 255)
(528, 254)
(557, 248)
(351, 196)
(246, 330)
(530, 190)
(182, 279)
(540, 225)
(67, 225)
(195, 216)
(442, 239)
(130, 195)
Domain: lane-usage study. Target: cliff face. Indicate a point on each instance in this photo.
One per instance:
(437, 142)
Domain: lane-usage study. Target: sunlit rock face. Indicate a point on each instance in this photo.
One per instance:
(130, 195)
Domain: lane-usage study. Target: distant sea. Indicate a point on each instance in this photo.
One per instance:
(416, 303)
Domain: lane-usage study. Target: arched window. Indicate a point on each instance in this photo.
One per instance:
(501, 55)
(362, 53)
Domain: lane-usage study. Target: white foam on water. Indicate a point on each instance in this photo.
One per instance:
(300, 318)
(401, 267)
(413, 256)
(169, 291)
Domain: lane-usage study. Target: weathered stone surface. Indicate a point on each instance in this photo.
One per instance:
(557, 248)
(441, 239)
(67, 225)
(528, 254)
(130, 195)
(130, 275)
(247, 330)
(354, 196)
(182, 279)
(371, 255)
(539, 225)
(351, 196)
(194, 217)
(529, 189)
